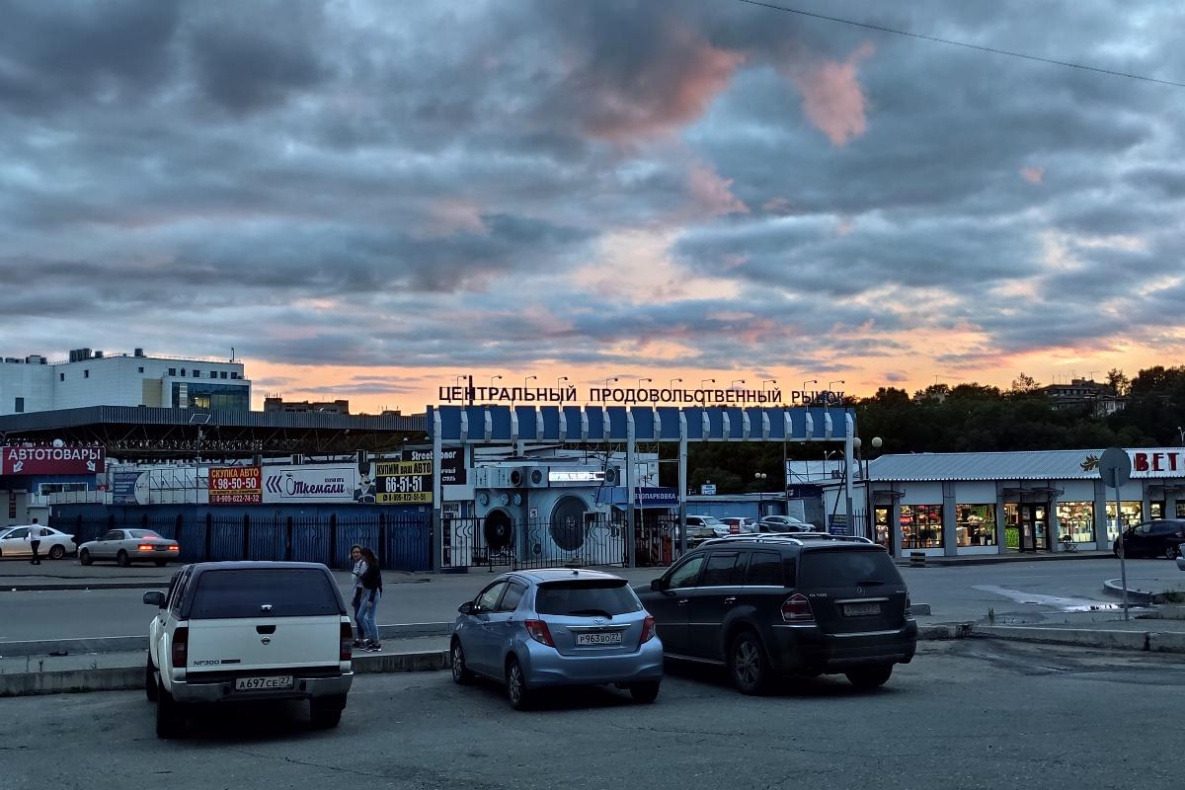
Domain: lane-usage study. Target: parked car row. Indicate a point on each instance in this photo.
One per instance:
(15, 542)
(123, 546)
(760, 606)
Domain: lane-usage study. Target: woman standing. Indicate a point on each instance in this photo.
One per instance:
(372, 593)
(359, 569)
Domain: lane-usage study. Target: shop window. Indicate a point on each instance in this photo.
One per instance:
(1130, 513)
(1076, 521)
(976, 525)
(1157, 510)
(881, 516)
(921, 526)
(1181, 510)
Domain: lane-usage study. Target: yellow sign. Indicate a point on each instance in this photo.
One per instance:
(401, 468)
(408, 498)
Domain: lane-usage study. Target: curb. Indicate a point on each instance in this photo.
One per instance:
(127, 644)
(61, 587)
(1147, 641)
(1114, 587)
(998, 559)
(26, 684)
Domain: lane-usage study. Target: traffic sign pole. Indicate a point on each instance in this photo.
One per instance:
(1115, 467)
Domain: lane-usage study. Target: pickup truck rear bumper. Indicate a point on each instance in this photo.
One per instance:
(195, 690)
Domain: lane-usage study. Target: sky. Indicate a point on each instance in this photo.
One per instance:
(366, 199)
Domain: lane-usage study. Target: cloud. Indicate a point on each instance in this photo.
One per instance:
(1033, 175)
(832, 97)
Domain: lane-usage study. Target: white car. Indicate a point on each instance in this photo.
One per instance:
(784, 524)
(126, 546)
(741, 525)
(14, 542)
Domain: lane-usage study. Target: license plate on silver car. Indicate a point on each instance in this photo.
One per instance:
(607, 638)
(263, 684)
(861, 609)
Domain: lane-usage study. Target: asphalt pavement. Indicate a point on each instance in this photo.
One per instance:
(975, 715)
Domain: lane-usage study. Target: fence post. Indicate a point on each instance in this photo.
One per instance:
(246, 536)
(209, 530)
(332, 538)
(288, 540)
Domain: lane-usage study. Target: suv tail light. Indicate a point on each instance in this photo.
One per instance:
(347, 642)
(539, 632)
(797, 609)
(180, 652)
(908, 605)
(649, 630)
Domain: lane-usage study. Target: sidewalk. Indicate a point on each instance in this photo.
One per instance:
(993, 559)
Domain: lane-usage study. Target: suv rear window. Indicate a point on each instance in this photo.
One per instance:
(599, 597)
(846, 568)
(290, 592)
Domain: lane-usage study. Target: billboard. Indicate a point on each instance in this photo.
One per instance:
(297, 484)
(235, 485)
(452, 464)
(123, 488)
(16, 460)
(403, 482)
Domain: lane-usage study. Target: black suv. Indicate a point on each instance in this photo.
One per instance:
(1161, 538)
(771, 605)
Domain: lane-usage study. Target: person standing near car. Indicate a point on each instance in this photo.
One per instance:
(372, 593)
(358, 571)
(35, 534)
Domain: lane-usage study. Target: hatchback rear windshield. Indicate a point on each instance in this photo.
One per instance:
(278, 592)
(846, 568)
(587, 598)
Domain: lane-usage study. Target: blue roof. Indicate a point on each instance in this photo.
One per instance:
(1023, 465)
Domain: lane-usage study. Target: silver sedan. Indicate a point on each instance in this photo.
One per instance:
(126, 546)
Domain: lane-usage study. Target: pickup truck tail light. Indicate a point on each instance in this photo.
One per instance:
(180, 647)
(347, 642)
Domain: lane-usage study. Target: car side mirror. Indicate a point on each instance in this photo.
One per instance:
(466, 608)
(657, 585)
(155, 598)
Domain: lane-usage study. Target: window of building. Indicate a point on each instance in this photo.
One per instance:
(86, 374)
(921, 526)
(173, 372)
(197, 374)
(881, 519)
(1076, 521)
(20, 406)
(212, 397)
(1181, 510)
(234, 375)
(224, 374)
(213, 374)
(61, 377)
(1131, 513)
(1157, 510)
(141, 369)
(976, 525)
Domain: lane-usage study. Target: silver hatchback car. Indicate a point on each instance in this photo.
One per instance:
(534, 630)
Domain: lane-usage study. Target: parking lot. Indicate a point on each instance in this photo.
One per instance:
(964, 714)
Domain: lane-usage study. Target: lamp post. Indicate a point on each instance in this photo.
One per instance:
(760, 478)
(493, 379)
(831, 384)
(529, 378)
(648, 381)
(559, 384)
(671, 385)
(812, 381)
(701, 382)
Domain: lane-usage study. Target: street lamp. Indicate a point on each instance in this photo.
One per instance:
(734, 383)
(648, 381)
(493, 379)
(701, 382)
(615, 379)
(760, 478)
(672, 384)
(529, 378)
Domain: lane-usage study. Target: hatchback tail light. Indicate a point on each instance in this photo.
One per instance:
(649, 630)
(180, 652)
(347, 642)
(537, 629)
(797, 609)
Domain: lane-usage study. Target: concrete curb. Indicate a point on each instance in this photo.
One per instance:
(1114, 587)
(54, 587)
(25, 684)
(127, 644)
(997, 559)
(1147, 641)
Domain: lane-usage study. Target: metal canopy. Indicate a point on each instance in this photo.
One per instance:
(608, 424)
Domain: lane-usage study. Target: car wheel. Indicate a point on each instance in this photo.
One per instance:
(1172, 552)
(150, 689)
(57, 552)
(870, 677)
(122, 560)
(170, 720)
(747, 664)
(1115, 549)
(516, 686)
(326, 713)
(160, 563)
(645, 693)
(461, 674)
(84, 557)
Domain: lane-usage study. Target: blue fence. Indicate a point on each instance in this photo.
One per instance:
(402, 541)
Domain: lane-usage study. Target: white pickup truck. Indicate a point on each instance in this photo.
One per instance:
(231, 632)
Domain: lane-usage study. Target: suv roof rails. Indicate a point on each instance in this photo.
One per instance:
(794, 538)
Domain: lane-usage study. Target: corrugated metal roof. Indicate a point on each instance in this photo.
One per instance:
(141, 415)
(1027, 465)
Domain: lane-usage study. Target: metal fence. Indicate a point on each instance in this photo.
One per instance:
(596, 540)
(401, 543)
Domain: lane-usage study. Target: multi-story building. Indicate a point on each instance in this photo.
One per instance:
(1101, 399)
(277, 404)
(92, 378)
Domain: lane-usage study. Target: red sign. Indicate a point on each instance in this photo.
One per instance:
(236, 485)
(51, 460)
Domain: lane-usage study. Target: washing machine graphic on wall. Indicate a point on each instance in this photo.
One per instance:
(565, 522)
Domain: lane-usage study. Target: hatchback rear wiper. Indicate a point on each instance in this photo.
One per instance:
(601, 612)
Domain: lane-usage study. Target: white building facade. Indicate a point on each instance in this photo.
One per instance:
(33, 384)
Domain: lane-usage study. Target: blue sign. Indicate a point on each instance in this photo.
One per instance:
(123, 488)
(658, 497)
(838, 525)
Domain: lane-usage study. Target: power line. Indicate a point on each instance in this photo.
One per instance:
(936, 39)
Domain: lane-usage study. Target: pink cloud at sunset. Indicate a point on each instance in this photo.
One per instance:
(1034, 175)
(833, 98)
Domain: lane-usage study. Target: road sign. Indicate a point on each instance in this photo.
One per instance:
(707, 489)
(1115, 467)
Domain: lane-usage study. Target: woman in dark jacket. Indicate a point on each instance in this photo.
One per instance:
(372, 593)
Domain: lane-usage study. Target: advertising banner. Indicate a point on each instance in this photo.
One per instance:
(296, 484)
(452, 464)
(51, 460)
(235, 485)
(123, 488)
(403, 482)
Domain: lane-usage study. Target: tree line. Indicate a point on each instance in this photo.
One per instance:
(964, 418)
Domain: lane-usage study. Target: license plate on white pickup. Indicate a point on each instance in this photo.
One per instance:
(861, 609)
(263, 684)
(606, 638)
